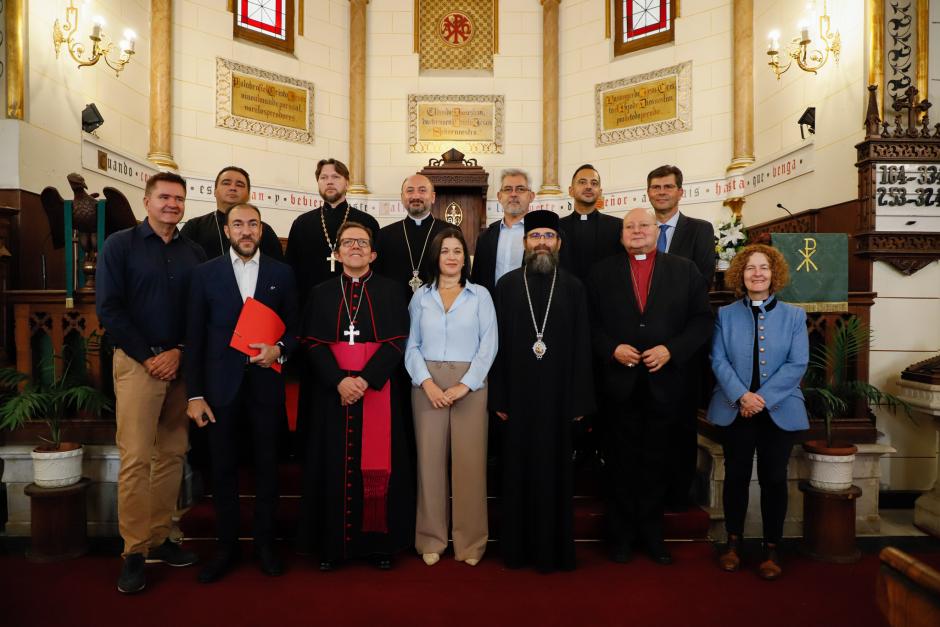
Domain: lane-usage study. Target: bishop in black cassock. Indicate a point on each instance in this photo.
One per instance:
(403, 246)
(538, 400)
(358, 481)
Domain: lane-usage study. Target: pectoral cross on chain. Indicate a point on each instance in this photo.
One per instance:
(332, 261)
(352, 333)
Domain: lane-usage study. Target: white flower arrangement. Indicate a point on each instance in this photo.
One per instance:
(729, 238)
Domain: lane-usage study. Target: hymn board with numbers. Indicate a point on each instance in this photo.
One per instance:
(899, 187)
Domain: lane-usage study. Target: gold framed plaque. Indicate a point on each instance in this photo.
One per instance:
(473, 124)
(646, 105)
(255, 101)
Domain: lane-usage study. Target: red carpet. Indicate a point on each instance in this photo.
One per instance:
(692, 592)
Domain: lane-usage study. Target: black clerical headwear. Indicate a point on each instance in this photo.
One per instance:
(541, 219)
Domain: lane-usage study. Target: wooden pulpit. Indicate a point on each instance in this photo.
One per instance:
(460, 185)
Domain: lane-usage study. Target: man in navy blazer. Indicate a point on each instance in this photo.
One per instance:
(694, 239)
(223, 383)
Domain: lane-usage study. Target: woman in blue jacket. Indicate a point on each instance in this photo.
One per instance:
(760, 350)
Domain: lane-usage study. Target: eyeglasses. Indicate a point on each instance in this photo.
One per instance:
(542, 236)
(348, 243)
(519, 189)
(669, 187)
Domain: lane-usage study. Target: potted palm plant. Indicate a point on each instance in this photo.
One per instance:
(50, 397)
(832, 391)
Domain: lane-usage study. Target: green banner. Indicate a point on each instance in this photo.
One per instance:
(819, 269)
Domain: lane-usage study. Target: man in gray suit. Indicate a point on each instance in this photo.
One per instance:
(693, 239)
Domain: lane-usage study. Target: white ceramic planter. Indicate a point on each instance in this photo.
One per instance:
(57, 469)
(830, 472)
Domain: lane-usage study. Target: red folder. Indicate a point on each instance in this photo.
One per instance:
(257, 323)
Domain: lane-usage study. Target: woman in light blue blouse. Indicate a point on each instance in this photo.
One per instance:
(451, 347)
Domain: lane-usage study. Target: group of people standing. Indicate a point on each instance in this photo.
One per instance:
(556, 322)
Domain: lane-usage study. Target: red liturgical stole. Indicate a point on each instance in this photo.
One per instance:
(376, 462)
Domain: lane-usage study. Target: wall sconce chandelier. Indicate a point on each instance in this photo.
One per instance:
(102, 46)
(807, 59)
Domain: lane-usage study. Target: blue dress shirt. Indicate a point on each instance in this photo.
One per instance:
(509, 250)
(466, 333)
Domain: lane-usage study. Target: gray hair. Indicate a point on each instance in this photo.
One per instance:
(515, 172)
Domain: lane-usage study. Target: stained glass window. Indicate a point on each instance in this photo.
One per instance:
(268, 22)
(643, 24)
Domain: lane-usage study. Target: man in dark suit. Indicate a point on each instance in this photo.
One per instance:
(220, 381)
(589, 234)
(650, 314)
(500, 247)
(693, 239)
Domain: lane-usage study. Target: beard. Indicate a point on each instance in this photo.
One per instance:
(245, 247)
(514, 211)
(541, 261)
(417, 210)
(332, 197)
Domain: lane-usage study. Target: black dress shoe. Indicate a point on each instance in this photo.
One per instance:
(221, 563)
(382, 562)
(268, 561)
(659, 553)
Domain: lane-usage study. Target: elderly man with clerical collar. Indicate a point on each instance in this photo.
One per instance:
(650, 314)
(403, 246)
(540, 383)
(232, 187)
(359, 481)
(499, 248)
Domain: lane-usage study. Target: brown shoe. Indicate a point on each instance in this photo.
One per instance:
(769, 568)
(730, 558)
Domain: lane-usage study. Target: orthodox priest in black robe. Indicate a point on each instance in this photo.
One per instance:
(358, 480)
(402, 246)
(540, 384)
(232, 187)
(312, 237)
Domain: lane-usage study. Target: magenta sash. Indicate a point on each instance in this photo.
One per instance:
(376, 461)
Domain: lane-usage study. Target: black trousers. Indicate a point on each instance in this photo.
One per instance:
(264, 420)
(740, 440)
(636, 445)
(683, 436)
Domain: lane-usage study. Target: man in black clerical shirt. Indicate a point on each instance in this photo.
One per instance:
(589, 234)
(312, 239)
(694, 239)
(402, 246)
(232, 187)
(142, 281)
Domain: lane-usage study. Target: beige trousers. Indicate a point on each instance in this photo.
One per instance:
(152, 437)
(457, 432)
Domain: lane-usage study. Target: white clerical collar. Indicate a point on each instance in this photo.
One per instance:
(235, 257)
(641, 257)
(418, 221)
